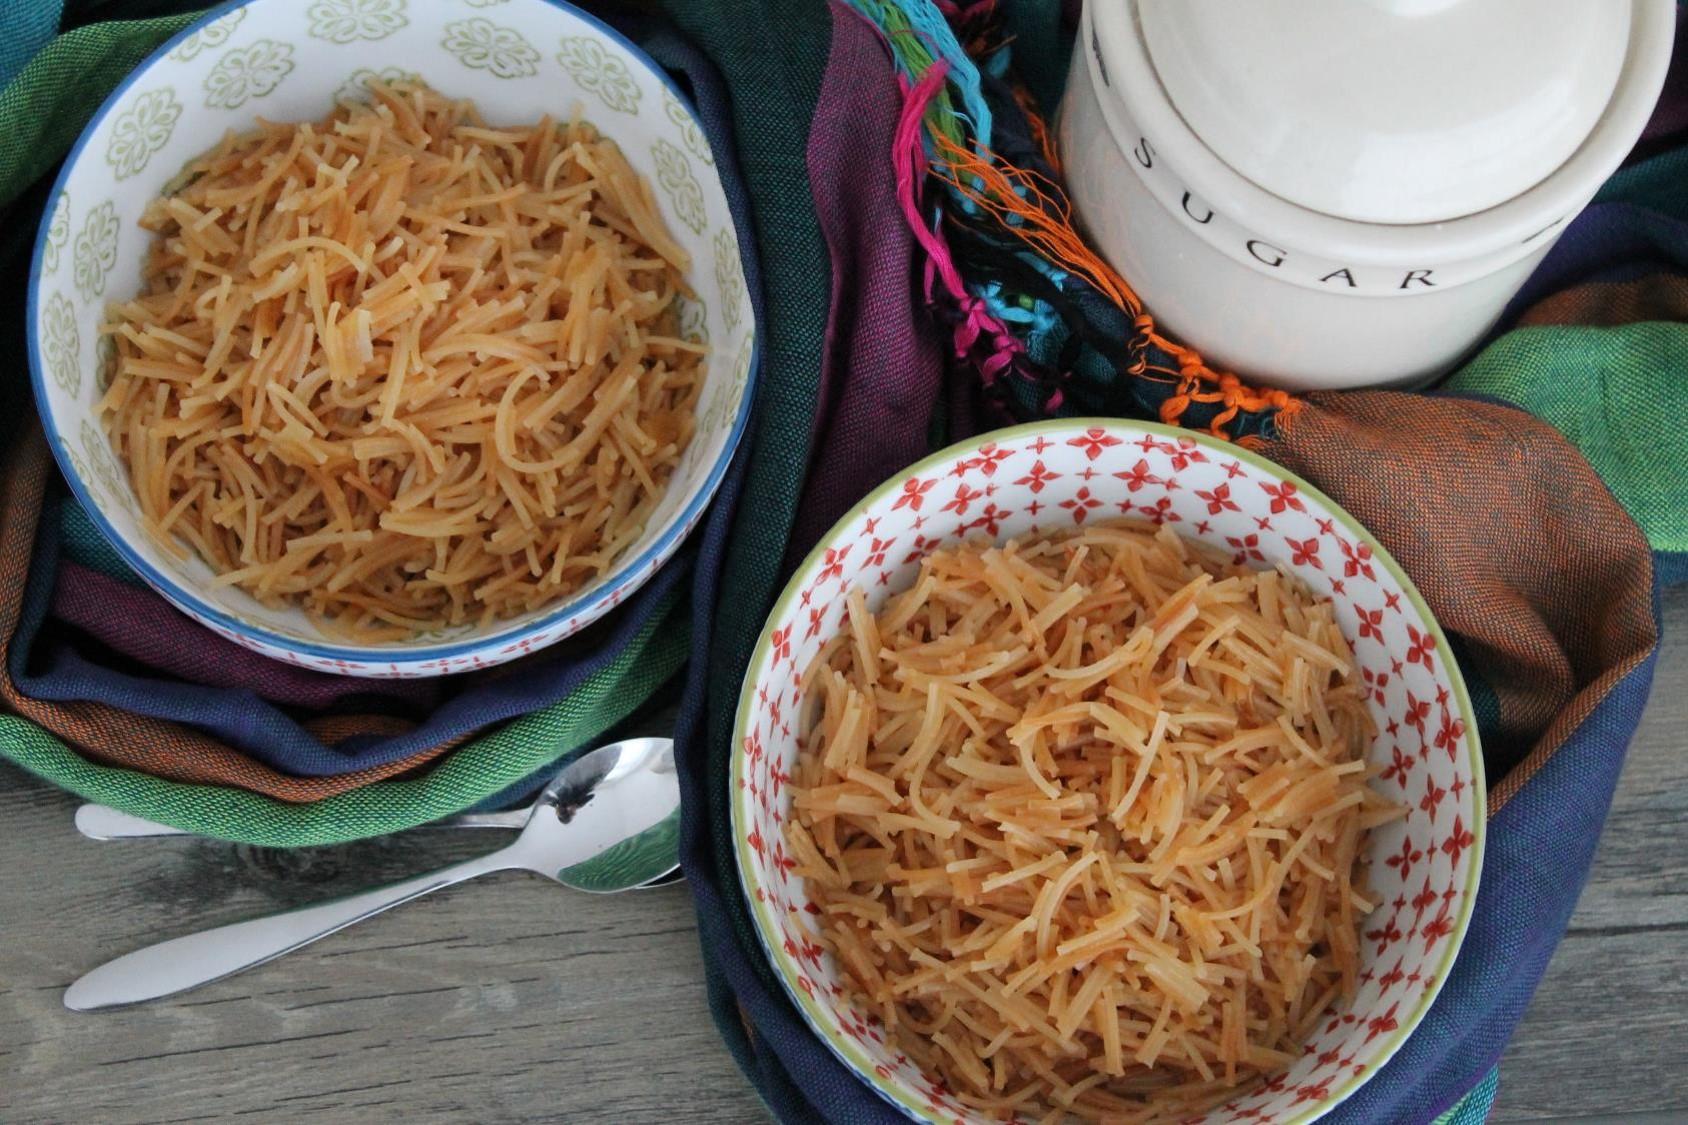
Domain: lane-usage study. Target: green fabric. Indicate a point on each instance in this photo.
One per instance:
(1598, 386)
(1655, 184)
(1041, 52)
(772, 57)
(775, 82)
(42, 112)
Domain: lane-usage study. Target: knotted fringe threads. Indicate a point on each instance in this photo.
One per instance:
(1036, 211)
(980, 335)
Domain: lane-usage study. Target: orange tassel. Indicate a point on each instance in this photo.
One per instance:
(1044, 215)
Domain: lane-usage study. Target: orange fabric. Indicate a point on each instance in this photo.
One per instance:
(1604, 304)
(1548, 590)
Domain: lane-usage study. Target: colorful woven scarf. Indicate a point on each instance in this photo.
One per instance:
(1511, 519)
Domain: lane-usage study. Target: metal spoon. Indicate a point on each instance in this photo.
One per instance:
(608, 822)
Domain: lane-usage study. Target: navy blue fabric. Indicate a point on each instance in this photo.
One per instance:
(49, 662)
(1607, 242)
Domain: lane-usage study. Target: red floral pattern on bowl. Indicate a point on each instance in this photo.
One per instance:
(1049, 476)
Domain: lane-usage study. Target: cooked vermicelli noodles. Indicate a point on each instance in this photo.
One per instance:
(403, 368)
(1084, 818)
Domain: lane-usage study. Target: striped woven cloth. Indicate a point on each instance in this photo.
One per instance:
(1536, 498)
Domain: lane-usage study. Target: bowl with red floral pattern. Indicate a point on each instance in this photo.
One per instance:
(1046, 477)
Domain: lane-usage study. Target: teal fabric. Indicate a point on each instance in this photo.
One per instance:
(1473, 1109)
(83, 544)
(27, 30)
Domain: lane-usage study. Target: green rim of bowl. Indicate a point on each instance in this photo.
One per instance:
(762, 914)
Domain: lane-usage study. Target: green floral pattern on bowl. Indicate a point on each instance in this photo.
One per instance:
(290, 60)
(715, 411)
(690, 134)
(694, 319)
(100, 458)
(63, 344)
(142, 130)
(58, 233)
(605, 75)
(96, 250)
(483, 45)
(209, 37)
(674, 172)
(347, 21)
(356, 88)
(729, 277)
(246, 73)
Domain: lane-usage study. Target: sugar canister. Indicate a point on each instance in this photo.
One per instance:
(1336, 193)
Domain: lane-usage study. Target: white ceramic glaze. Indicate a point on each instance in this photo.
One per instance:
(287, 61)
(1292, 295)
(1053, 475)
(1383, 113)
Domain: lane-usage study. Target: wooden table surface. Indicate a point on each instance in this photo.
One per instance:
(509, 999)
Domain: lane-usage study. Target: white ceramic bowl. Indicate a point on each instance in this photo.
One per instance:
(1049, 475)
(287, 61)
(1299, 297)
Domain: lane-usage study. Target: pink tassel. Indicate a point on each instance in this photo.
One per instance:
(908, 160)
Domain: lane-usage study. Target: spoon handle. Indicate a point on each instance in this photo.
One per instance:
(102, 822)
(195, 959)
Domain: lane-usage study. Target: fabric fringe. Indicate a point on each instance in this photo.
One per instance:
(1004, 199)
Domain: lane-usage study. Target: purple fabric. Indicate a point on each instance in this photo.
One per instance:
(883, 369)
(1671, 114)
(138, 624)
(52, 662)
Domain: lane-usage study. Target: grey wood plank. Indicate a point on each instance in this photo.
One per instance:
(508, 999)
(512, 1000)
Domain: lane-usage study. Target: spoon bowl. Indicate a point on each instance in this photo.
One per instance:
(609, 821)
(619, 804)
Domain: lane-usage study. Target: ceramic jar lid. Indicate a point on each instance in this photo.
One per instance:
(1389, 111)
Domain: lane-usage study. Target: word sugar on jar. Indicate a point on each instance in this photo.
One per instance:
(1334, 193)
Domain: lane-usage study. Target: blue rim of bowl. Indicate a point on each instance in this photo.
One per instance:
(622, 580)
(807, 1007)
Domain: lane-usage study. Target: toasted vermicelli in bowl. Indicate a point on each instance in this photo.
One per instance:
(384, 381)
(1085, 814)
(402, 368)
(1093, 770)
